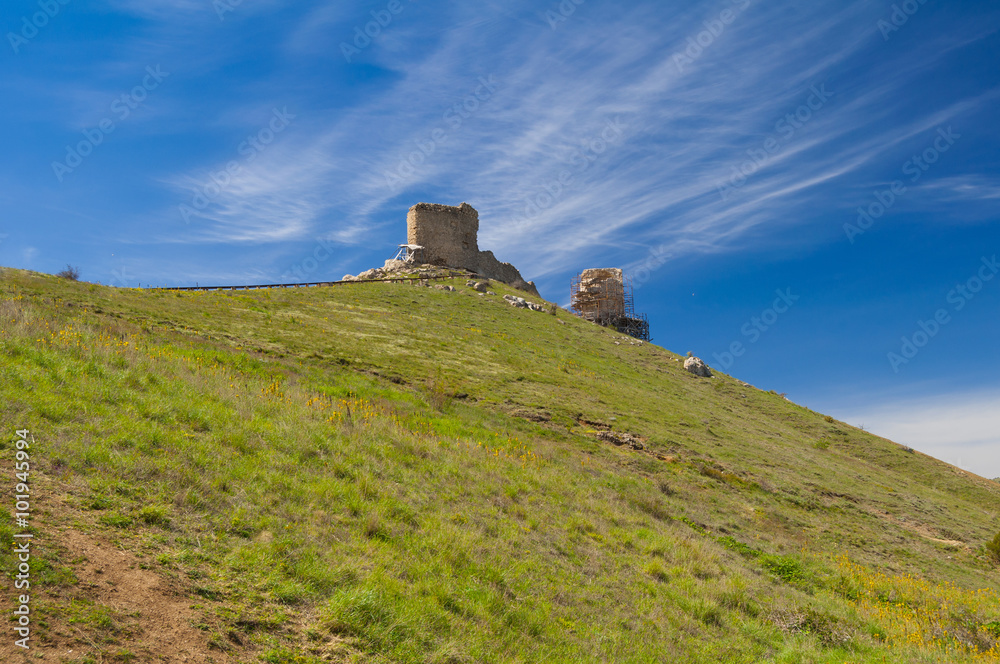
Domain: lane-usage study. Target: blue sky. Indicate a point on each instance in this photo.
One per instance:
(814, 186)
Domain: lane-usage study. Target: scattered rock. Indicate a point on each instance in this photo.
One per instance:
(481, 286)
(393, 265)
(620, 439)
(596, 424)
(515, 301)
(697, 367)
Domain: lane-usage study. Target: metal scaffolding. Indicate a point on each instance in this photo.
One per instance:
(410, 253)
(604, 296)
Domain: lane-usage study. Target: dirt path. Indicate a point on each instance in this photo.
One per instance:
(116, 612)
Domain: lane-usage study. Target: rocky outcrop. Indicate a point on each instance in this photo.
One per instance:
(697, 367)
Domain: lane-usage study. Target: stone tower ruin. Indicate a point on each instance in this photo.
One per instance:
(447, 235)
(604, 296)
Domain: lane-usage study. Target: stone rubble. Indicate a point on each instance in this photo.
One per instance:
(620, 439)
(521, 303)
(632, 341)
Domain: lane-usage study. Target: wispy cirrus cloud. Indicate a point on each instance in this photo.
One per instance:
(960, 428)
(971, 187)
(684, 130)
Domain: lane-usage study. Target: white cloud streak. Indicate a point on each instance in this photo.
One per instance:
(557, 89)
(962, 429)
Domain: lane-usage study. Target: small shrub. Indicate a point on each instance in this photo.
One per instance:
(99, 503)
(553, 309)
(438, 395)
(785, 568)
(155, 515)
(375, 529)
(739, 547)
(829, 419)
(655, 570)
(994, 548)
(708, 612)
(71, 273)
(116, 520)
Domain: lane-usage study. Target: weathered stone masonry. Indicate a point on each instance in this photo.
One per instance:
(448, 234)
(449, 237)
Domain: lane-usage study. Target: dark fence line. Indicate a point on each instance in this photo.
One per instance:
(311, 284)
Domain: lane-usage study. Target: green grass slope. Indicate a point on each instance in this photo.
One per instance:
(393, 473)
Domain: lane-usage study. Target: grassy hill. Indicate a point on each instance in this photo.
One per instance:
(395, 473)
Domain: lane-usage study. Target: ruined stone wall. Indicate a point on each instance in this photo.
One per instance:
(490, 267)
(449, 236)
(447, 233)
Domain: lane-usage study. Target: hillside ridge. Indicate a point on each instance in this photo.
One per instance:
(394, 473)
